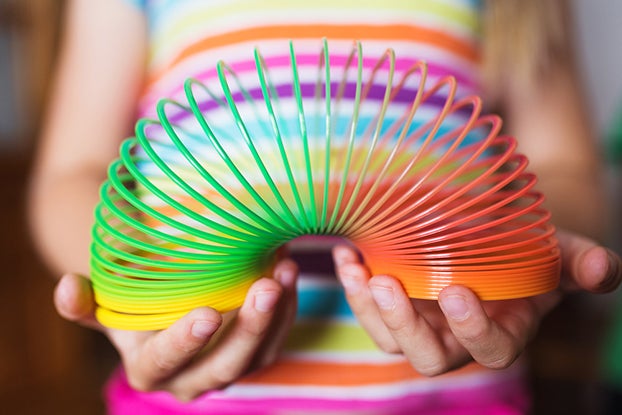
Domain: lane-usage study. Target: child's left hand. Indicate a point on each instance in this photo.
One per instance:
(437, 337)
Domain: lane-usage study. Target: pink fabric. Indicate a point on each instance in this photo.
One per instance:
(509, 397)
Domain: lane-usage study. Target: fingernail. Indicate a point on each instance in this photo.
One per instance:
(455, 307)
(70, 299)
(350, 284)
(383, 296)
(287, 278)
(338, 258)
(62, 296)
(265, 301)
(203, 328)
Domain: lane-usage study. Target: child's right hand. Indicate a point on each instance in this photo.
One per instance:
(172, 359)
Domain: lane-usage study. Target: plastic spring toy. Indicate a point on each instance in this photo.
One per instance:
(200, 200)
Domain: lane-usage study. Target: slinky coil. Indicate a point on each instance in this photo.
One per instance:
(200, 200)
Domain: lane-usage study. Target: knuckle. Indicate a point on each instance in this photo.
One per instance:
(503, 361)
(396, 322)
(222, 376)
(184, 395)
(475, 334)
(253, 327)
(389, 347)
(219, 381)
(432, 369)
(162, 364)
(183, 347)
(186, 389)
(139, 383)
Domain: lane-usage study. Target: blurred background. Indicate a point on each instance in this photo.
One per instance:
(52, 367)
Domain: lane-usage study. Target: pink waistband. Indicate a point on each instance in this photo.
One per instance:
(507, 395)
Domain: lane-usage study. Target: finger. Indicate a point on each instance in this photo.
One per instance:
(74, 301)
(587, 265)
(422, 345)
(233, 353)
(493, 343)
(343, 254)
(286, 273)
(355, 277)
(544, 303)
(166, 352)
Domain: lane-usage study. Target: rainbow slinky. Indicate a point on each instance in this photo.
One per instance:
(200, 200)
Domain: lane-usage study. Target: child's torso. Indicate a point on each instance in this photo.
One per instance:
(329, 363)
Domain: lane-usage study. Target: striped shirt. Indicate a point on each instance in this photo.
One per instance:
(329, 365)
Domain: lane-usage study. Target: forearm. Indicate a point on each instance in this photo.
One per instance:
(554, 130)
(91, 110)
(577, 203)
(61, 216)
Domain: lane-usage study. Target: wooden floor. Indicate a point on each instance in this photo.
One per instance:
(48, 366)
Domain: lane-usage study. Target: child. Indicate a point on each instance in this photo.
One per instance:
(120, 57)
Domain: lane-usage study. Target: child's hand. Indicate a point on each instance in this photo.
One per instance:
(172, 359)
(439, 337)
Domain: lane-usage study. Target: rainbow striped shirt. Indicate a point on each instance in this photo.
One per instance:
(329, 364)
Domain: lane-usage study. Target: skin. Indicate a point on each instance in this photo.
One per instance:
(96, 88)
(549, 119)
(174, 359)
(437, 337)
(85, 123)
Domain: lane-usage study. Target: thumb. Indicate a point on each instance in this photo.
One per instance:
(74, 300)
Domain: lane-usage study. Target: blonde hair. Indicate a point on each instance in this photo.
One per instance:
(523, 41)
